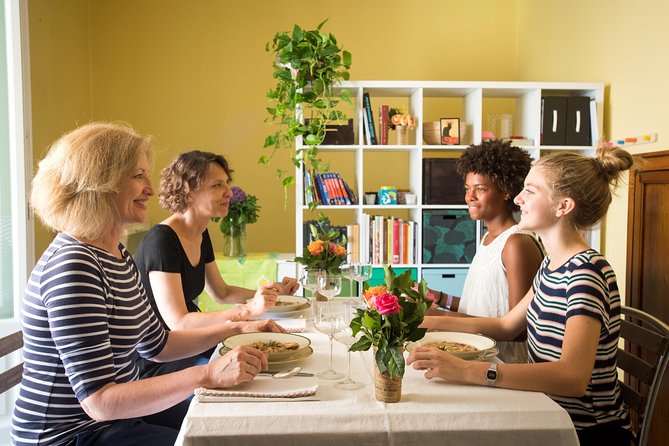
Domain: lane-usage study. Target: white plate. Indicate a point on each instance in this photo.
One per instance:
(273, 366)
(485, 346)
(291, 304)
(249, 338)
(304, 311)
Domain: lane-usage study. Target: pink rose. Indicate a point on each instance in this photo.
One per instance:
(385, 304)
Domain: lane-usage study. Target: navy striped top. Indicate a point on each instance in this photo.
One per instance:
(584, 285)
(85, 319)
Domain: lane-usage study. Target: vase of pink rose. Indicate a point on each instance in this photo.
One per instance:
(392, 318)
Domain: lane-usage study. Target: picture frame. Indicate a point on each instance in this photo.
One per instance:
(450, 130)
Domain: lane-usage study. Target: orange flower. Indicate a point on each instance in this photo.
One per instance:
(337, 250)
(374, 290)
(316, 247)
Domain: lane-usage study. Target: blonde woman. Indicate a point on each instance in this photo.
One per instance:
(85, 315)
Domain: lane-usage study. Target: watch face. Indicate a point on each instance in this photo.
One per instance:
(491, 375)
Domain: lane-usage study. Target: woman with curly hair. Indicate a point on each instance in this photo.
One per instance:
(507, 259)
(572, 311)
(176, 257)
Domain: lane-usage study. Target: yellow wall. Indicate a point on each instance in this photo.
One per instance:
(619, 43)
(194, 74)
(59, 67)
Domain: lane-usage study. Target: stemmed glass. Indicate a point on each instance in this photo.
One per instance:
(359, 272)
(309, 279)
(329, 285)
(342, 333)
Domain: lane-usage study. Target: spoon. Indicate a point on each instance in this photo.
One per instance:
(285, 373)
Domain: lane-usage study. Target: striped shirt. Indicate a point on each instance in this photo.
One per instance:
(584, 285)
(85, 319)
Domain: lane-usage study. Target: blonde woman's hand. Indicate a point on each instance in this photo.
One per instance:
(240, 365)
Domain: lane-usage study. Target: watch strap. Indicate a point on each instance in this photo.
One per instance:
(491, 375)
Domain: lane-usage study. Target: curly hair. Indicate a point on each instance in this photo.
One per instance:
(505, 165)
(588, 181)
(77, 182)
(186, 174)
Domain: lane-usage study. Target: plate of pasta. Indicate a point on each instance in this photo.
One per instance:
(463, 345)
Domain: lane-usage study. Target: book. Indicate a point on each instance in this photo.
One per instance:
(325, 197)
(370, 118)
(365, 124)
(349, 192)
(384, 111)
(352, 243)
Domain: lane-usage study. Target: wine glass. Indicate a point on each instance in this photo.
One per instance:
(359, 272)
(324, 316)
(328, 285)
(342, 333)
(309, 279)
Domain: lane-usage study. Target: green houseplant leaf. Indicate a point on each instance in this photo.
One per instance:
(308, 64)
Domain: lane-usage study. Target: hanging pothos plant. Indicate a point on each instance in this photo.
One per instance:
(307, 67)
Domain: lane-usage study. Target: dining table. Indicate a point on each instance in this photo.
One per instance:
(430, 412)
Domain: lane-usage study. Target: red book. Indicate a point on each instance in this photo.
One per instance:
(383, 123)
(396, 241)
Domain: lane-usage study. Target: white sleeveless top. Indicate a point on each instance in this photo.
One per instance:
(486, 289)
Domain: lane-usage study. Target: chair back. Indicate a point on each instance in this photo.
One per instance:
(644, 361)
(12, 376)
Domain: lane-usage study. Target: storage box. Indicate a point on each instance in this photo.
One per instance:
(338, 134)
(553, 120)
(449, 236)
(446, 280)
(441, 183)
(578, 122)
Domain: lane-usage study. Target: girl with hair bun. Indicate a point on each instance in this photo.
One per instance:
(572, 311)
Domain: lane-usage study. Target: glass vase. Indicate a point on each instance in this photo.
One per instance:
(234, 243)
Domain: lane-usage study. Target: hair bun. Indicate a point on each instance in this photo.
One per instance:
(612, 161)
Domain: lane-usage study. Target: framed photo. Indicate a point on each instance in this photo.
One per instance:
(450, 130)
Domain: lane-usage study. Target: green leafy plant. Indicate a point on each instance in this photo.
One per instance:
(392, 318)
(307, 67)
(243, 210)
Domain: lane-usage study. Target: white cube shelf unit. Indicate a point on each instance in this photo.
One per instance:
(471, 102)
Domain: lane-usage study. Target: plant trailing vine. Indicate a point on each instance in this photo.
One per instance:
(307, 67)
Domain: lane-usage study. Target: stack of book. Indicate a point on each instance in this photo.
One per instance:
(377, 239)
(327, 188)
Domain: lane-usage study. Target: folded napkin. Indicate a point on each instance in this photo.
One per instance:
(263, 388)
(293, 325)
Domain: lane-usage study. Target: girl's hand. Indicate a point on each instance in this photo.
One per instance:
(438, 363)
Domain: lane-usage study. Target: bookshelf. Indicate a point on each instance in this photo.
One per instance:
(369, 167)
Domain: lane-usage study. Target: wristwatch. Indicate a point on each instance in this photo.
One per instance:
(491, 375)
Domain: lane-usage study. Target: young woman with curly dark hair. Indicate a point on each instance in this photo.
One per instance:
(507, 259)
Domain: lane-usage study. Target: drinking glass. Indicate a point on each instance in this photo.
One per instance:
(325, 316)
(309, 279)
(359, 272)
(342, 333)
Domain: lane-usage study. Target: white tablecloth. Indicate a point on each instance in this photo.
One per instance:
(431, 412)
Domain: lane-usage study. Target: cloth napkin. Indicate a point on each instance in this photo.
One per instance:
(263, 388)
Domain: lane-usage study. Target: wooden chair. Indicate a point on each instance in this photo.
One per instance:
(10, 377)
(644, 361)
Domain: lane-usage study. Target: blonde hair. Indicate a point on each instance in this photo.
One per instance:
(78, 181)
(588, 181)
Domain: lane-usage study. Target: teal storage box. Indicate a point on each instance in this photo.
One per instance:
(378, 275)
(446, 280)
(449, 236)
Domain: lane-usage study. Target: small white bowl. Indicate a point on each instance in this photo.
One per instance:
(485, 346)
(249, 338)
